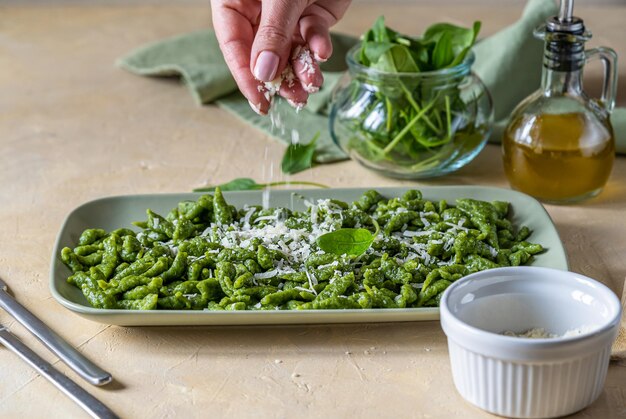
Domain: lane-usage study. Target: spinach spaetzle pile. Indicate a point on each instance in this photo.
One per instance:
(375, 252)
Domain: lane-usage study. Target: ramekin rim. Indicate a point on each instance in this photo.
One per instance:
(535, 343)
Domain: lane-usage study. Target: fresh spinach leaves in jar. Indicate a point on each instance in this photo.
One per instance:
(417, 107)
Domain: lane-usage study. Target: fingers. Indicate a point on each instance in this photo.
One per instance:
(293, 92)
(235, 35)
(307, 70)
(316, 22)
(315, 31)
(301, 78)
(271, 48)
(256, 38)
(314, 26)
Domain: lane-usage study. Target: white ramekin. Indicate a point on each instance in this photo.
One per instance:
(521, 377)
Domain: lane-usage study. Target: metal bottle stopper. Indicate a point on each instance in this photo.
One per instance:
(565, 37)
(565, 21)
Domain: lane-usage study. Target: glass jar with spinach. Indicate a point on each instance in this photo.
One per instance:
(412, 108)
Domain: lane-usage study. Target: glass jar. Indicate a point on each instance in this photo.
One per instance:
(411, 125)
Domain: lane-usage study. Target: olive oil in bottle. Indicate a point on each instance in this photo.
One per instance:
(559, 145)
(557, 157)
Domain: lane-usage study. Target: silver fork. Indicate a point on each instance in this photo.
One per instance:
(74, 359)
(85, 400)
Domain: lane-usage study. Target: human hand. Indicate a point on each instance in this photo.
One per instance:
(263, 39)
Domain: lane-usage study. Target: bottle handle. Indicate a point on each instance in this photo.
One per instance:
(609, 85)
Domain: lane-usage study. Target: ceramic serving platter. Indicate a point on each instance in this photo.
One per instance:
(119, 211)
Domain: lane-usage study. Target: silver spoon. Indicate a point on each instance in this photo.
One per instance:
(74, 359)
(85, 400)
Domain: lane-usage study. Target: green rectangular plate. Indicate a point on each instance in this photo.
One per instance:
(119, 211)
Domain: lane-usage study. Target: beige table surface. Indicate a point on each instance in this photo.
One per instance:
(74, 128)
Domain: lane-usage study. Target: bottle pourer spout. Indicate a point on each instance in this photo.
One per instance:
(565, 21)
(566, 11)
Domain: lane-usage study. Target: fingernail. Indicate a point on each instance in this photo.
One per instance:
(256, 108)
(319, 59)
(266, 66)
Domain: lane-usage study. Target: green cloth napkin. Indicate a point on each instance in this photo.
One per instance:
(509, 63)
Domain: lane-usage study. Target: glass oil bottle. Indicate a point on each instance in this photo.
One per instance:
(559, 145)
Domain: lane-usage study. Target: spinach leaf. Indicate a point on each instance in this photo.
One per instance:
(402, 59)
(374, 51)
(347, 241)
(376, 42)
(382, 33)
(299, 157)
(386, 50)
(468, 46)
(450, 41)
(239, 184)
(247, 184)
(443, 53)
(391, 58)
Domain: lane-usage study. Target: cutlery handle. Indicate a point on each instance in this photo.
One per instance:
(74, 359)
(85, 400)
